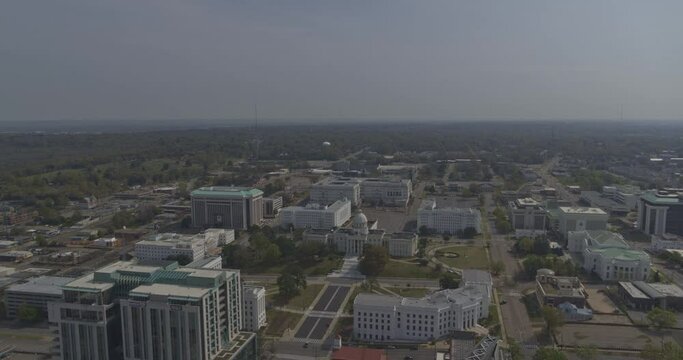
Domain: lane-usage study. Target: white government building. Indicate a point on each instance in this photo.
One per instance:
(352, 240)
(195, 247)
(580, 218)
(527, 217)
(253, 307)
(332, 189)
(607, 255)
(316, 216)
(386, 318)
(447, 220)
(385, 191)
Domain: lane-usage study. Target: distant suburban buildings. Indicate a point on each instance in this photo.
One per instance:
(385, 191)
(607, 255)
(661, 212)
(316, 216)
(130, 311)
(385, 318)
(353, 240)
(580, 218)
(227, 207)
(253, 307)
(35, 292)
(332, 189)
(527, 217)
(447, 220)
(193, 247)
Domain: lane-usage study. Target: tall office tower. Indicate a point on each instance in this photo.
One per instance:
(135, 312)
(227, 207)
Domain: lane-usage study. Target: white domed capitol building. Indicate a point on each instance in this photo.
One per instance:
(361, 232)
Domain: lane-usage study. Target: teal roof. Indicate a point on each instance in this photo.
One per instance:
(227, 192)
(620, 254)
(606, 238)
(652, 198)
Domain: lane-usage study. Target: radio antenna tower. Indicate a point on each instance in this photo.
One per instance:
(257, 141)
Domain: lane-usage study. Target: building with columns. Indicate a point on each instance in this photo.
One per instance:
(386, 318)
(608, 256)
(316, 216)
(351, 240)
(661, 212)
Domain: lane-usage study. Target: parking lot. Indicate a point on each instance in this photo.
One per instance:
(610, 336)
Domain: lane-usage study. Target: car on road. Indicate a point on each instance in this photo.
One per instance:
(408, 357)
(503, 302)
(305, 345)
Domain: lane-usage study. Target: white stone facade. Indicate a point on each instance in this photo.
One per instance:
(581, 218)
(253, 307)
(316, 216)
(384, 318)
(332, 189)
(385, 192)
(447, 220)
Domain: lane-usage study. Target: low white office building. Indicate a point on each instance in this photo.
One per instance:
(666, 242)
(35, 292)
(385, 318)
(385, 191)
(316, 216)
(253, 307)
(332, 189)
(447, 220)
(194, 247)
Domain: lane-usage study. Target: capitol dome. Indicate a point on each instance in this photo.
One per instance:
(360, 223)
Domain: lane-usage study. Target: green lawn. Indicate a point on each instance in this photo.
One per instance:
(299, 302)
(404, 270)
(279, 321)
(469, 257)
(410, 292)
(322, 267)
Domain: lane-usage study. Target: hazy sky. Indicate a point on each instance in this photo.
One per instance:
(418, 59)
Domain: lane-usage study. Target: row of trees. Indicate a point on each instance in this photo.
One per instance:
(561, 267)
(266, 248)
(502, 223)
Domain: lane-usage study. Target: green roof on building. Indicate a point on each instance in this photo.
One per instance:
(620, 254)
(652, 198)
(227, 192)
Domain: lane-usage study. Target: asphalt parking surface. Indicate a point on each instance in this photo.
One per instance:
(306, 327)
(314, 327)
(325, 299)
(332, 298)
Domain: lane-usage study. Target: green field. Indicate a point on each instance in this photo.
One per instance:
(279, 321)
(405, 270)
(322, 267)
(299, 302)
(410, 291)
(469, 257)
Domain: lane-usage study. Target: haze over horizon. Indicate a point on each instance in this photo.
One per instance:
(305, 59)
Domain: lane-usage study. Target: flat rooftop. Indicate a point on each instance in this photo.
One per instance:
(171, 291)
(227, 192)
(582, 210)
(47, 285)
